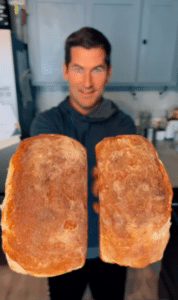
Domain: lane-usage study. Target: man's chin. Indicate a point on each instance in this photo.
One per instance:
(86, 104)
(91, 105)
(89, 100)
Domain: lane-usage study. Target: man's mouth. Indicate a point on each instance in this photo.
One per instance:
(87, 94)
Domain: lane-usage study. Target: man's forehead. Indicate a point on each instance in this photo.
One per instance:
(81, 48)
(93, 56)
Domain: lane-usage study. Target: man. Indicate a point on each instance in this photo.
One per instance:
(86, 116)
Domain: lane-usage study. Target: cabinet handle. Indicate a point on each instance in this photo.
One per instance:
(145, 42)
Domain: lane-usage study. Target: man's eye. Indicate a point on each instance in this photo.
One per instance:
(98, 69)
(78, 69)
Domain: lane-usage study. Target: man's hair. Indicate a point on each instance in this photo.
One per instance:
(88, 38)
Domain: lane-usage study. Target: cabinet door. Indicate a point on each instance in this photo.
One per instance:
(50, 23)
(158, 41)
(119, 22)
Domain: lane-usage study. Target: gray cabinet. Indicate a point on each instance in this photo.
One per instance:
(50, 23)
(119, 21)
(158, 41)
(143, 34)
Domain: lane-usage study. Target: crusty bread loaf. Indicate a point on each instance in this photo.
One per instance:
(135, 196)
(44, 212)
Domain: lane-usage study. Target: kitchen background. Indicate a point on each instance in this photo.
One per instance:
(37, 91)
(144, 83)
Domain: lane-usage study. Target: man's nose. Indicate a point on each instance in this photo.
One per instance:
(87, 80)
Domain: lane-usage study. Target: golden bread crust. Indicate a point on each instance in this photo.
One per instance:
(135, 197)
(44, 213)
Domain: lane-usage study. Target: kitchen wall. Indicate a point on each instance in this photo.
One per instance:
(130, 104)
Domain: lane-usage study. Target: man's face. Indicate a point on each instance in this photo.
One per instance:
(87, 74)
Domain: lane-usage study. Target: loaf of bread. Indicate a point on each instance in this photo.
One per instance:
(44, 212)
(135, 196)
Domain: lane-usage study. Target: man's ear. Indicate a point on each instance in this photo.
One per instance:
(65, 71)
(109, 73)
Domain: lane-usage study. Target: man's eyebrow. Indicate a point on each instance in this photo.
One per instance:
(98, 66)
(76, 65)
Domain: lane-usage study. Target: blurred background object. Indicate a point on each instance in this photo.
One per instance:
(8, 122)
(145, 121)
(15, 85)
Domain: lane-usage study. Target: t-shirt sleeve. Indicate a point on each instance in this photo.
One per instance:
(42, 125)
